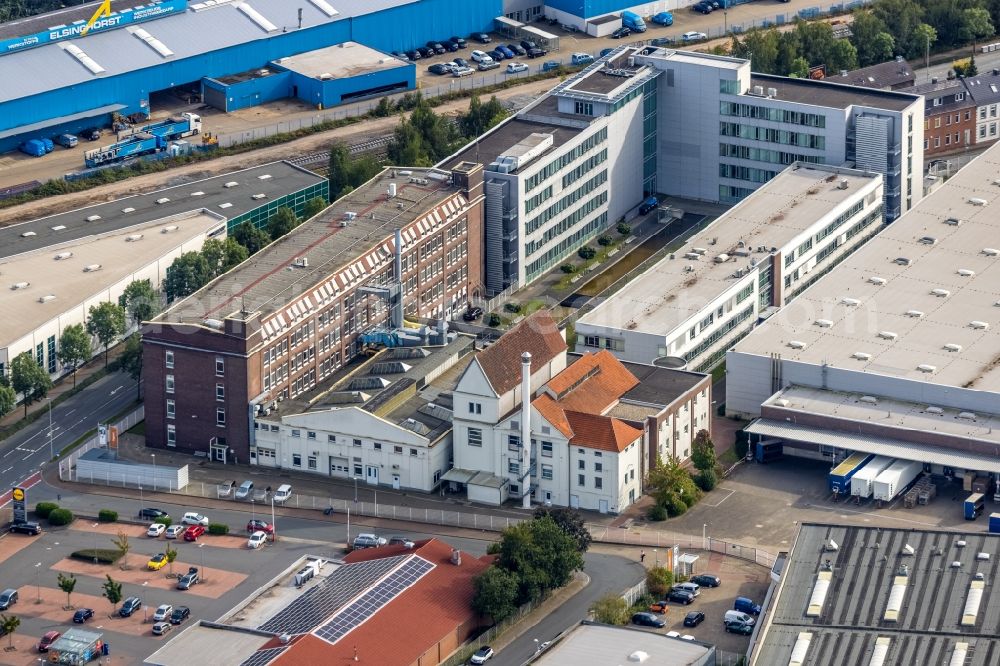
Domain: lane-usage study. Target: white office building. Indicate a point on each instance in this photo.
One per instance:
(696, 303)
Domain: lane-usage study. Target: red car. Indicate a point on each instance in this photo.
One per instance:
(48, 639)
(193, 532)
(259, 526)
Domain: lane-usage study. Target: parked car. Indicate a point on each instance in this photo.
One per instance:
(157, 562)
(400, 55)
(581, 58)
(8, 598)
(746, 605)
(460, 41)
(621, 32)
(174, 531)
(707, 580)
(245, 490)
(703, 7)
(461, 62)
(739, 628)
(193, 518)
(150, 513)
(368, 541)
(180, 614)
(738, 616)
(663, 18)
(479, 56)
(26, 527)
(459, 72)
(161, 628)
(450, 46)
(156, 529)
(517, 49)
(437, 47)
(401, 541)
(482, 37)
(482, 655)
(187, 580)
(647, 620)
(489, 64)
(67, 140)
(258, 525)
(549, 65)
(413, 54)
(497, 55)
(514, 68)
(507, 53)
(129, 606)
(256, 540)
(439, 69)
(425, 52)
(163, 611)
(47, 640)
(91, 134)
(82, 615)
(661, 41)
(659, 606)
(605, 52)
(193, 532)
(689, 587)
(694, 618)
(475, 312)
(680, 596)
(693, 36)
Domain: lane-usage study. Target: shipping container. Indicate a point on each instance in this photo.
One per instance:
(974, 505)
(766, 452)
(840, 476)
(863, 482)
(995, 523)
(897, 479)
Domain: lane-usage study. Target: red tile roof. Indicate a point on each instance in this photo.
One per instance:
(553, 413)
(601, 432)
(501, 362)
(592, 384)
(408, 626)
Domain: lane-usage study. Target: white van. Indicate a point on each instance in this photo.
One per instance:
(693, 588)
(282, 494)
(739, 617)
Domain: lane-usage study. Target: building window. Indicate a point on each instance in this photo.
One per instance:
(220, 366)
(397, 449)
(547, 449)
(598, 467)
(331, 439)
(357, 442)
(311, 461)
(598, 482)
(475, 408)
(169, 359)
(632, 472)
(220, 392)
(584, 108)
(513, 467)
(171, 434)
(357, 469)
(547, 472)
(581, 480)
(170, 383)
(513, 442)
(475, 437)
(296, 433)
(377, 446)
(310, 435)
(171, 409)
(296, 458)
(220, 416)
(581, 464)
(413, 452)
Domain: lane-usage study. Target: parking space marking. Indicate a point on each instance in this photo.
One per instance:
(731, 492)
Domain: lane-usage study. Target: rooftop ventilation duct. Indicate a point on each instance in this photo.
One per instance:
(850, 301)
(797, 344)
(877, 281)
(952, 347)
(925, 367)
(979, 325)
(965, 272)
(888, 335)
(940, 293)
(931, 409)
(861, 356)
(869, 399)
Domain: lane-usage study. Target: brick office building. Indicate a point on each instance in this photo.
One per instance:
(949, 116)
(293, 313)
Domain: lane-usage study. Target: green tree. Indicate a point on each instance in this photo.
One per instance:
(407, 146)
(760, 45)
(611, 609)
(363, 169)
(569, 521)
(671, 486)
(75, 347)
(870, 38)
(976, 24)
(789, 51)
(703, 451)
(707, 479)
(131, 361)
(250, 237)
(495, 593)
(282, 222)
(187, 274)
(816, 42)
(9, 624)
(171, 554)
(481, 117)
(841, 56)
(140, 301)
(67, 584)
(122, 543)
(659, 580)
(222, 256)
(29, 379)
(542, 555)
(901, 17)
(8, 399)
(799, 68)
(112, 592)
(339, 171)
(314, 206)
(106, 322)
(383, 109)
(926, 35)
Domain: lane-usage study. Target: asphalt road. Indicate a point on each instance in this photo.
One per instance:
(23, 453)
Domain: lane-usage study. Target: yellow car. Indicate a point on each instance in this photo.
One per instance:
(157, 562)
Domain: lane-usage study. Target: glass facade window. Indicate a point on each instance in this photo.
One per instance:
(777, 115)
(259, 216)
(772, 135)
(566, 201)
(766, 155)
(556, 253)
(729, 87)
(565, 159)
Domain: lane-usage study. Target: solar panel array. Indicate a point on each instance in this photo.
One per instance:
(264, 657)
(320, 602)
(372, 601)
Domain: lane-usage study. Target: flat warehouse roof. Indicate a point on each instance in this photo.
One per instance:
(42, 22)
(110, 258)
(283, 178)
(921, 292)
(675, 289)
(341, 61)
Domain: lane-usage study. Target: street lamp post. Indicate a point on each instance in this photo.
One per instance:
(253, 510)
(348, 527)
(154, 470)
(38, 587)
(274, 530)
(201, 550)
(355, 490)
(704, 537)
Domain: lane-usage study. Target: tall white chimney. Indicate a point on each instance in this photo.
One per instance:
(526, 428)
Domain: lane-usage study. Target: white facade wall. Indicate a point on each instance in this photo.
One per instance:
(619, 474)
(349, 442)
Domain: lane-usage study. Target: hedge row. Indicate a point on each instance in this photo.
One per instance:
(102, 555)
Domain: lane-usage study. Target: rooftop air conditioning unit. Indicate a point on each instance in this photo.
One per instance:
(699, 250)
(861, 356)
(28, 234)
(91, 268)
(887, 335)
(772, 92)
(721, 258)
(170, 229)
(843, 184)
(976, 201)
(916, 314)
(163, 200)
(934, 410)
(979, 325)
(257, 197)
(877, 281)
(692, 255)
(823, 323)
(782, 402)
(128, 210)
(952, 347)
(133, 238)
(797, 344)
(63, 255)
(850, 301)
(968, 416)
(926, 367)
(869, 399)
(965, 272)
(350, 215)
(19, 285)
(46, 299)
(758, 90)
(940, 293)
(231, 183)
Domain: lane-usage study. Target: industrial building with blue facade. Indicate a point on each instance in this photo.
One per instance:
(57, 81)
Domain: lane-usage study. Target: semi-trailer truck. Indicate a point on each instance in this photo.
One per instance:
(897, 479)
(187, 124)
(863, 482)
(133, 146)
(840, 476)
(975, 504)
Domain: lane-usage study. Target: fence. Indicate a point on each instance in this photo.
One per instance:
(461, 657)
(67, 464)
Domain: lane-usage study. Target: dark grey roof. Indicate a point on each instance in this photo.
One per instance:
(284, 179)
(660, 386)
(985, 88)
(833, 95)
(863, 568)
(885, 75)
(490, 146)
